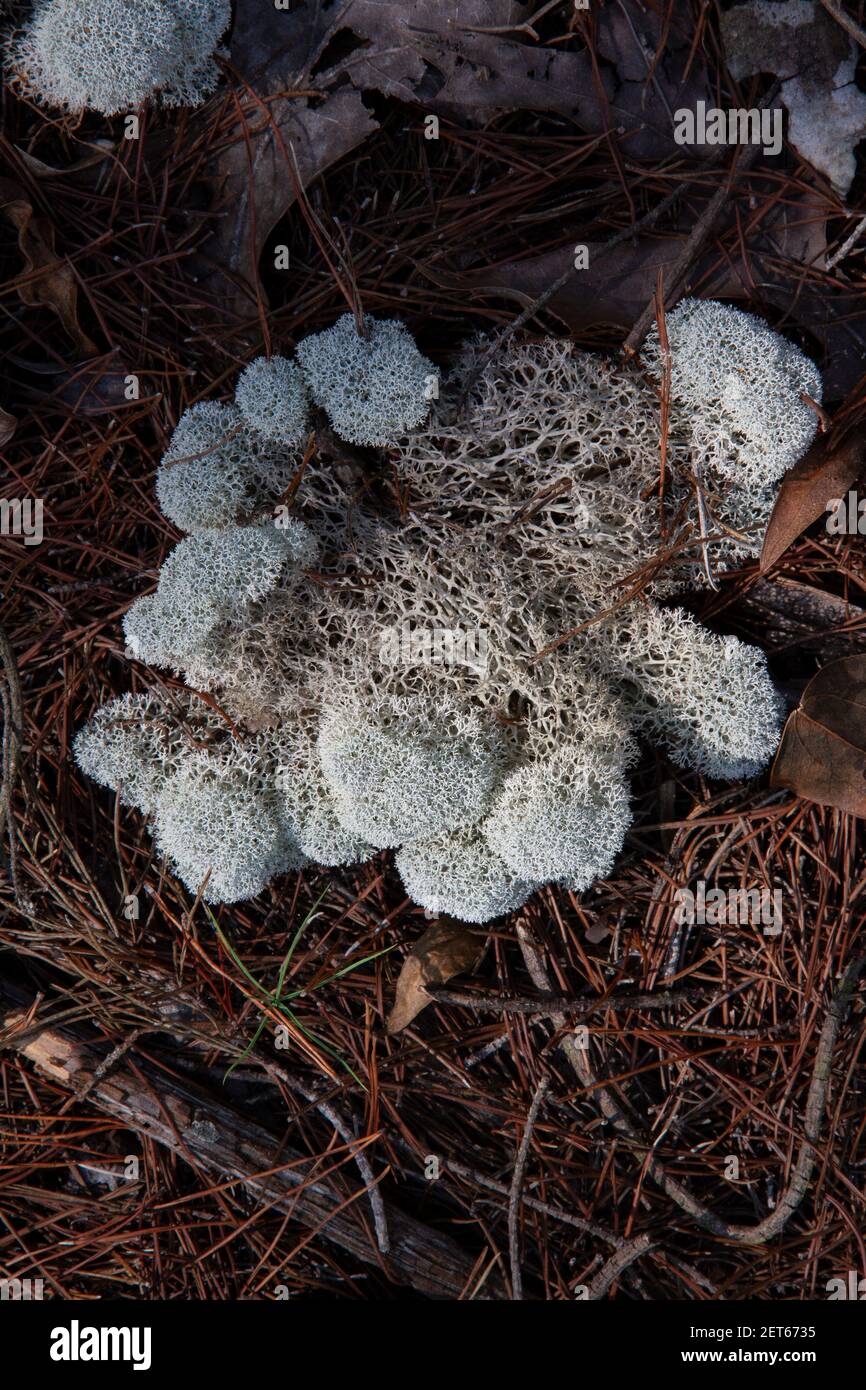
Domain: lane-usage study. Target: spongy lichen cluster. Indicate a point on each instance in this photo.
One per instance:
(464, 677)
(374, 387)
(113, 55)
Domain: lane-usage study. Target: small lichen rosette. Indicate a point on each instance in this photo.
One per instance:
(112, 55)
(373, 388)
(464, 679)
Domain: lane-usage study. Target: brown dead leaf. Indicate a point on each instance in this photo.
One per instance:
(822, 756)
(8, 425)
(807, 491)
(96, 387)
(794, 235)
(815, 60)
(464, 59)
(657, 70)
(447, 948)
(412, 51)
(100, 150)
(47, 278)
(613, 289)
(788, 613)
(260, 190)
(616, 285)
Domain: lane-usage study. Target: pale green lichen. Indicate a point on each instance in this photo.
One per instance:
(522, 521)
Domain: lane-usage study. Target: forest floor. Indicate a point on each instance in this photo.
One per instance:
(709, 1144)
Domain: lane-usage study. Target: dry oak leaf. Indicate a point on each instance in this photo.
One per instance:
(447, 948)
(822, 756)
(816, 60)
(303, 108)
(613, 289)
(8, 426)
(808, 490)
(618, 281)
(302, 73)
(47, 278)
(788, 613)
(95, 387)
(99, 152)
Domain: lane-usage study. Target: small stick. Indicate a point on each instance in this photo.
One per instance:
(698, 472)
(849, 24)
(516, 1183)
(204, 453)
(350, 1139)
(14, 722)
(486, 1003)
(824, 421)
(617, 1115)
(847, 244)
(589, 1228)
(627, 234)
(628, 1252)
(699, 235)
(665, 393)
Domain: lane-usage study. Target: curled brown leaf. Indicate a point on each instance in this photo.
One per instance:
(447, 948)
(47, 278)
(822, 756)
(8, 425)
(808, 490)
(303, 73)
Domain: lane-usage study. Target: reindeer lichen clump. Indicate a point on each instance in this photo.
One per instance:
(529, 521)
(112, 55)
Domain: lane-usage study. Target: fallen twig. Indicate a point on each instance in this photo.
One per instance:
(516, 1184)
(790, 1199)
(589, 1228)
(700, 234)
(664, 394)
(644, 224)
(186, 1119)
(13, 724)
(559, 1003)
(848, 24)
(628, 1252)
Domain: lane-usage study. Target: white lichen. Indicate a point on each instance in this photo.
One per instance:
(127, 746)
(222, 836)
(207, 579)
(411, 771)
(565, 816)
(272, 397)
(373, 389)
(112, 55)
(217, 471)
(460, 875)
(741, 386)
(304, 799)
(135, 744)
(331, 635)
(708, 699)
(555, 449)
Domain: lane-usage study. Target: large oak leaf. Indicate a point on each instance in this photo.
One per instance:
(822, 756)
